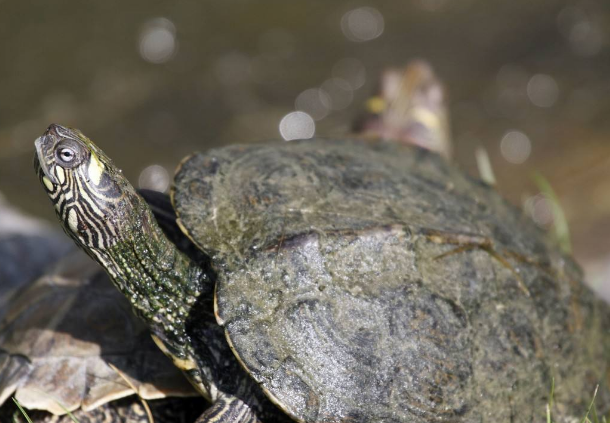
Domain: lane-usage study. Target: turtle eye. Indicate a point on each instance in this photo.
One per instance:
(68, 154)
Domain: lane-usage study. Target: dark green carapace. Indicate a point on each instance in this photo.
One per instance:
(335, 296)
(354, 281)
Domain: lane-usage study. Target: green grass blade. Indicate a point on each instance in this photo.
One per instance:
(585, 419)
(561, 230)
(550, 403)
(594, 417)
(27, 418)
(68, 412)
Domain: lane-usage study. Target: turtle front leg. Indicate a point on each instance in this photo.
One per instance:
(228, 409)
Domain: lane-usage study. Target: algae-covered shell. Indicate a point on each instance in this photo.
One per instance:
(376, 282)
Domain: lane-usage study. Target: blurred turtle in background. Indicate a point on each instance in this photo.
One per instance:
(410, 107)
(27, 247)
(60, 333)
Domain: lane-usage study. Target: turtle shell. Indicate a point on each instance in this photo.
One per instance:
(374, 282)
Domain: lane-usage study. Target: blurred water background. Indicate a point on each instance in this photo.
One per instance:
(151, 81)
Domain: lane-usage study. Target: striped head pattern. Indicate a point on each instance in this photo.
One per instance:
(91, 197)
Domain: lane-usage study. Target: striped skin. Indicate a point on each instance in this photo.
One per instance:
(103, 214)
(226, 410)
(85, 197)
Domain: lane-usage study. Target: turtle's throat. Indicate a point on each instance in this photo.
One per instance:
(161, 282)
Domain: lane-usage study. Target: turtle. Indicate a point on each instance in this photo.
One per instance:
(410, 107)
(56, 349)
(347, 280)
(28, 361)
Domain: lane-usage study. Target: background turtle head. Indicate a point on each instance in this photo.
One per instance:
(93, 200)
(410, 108)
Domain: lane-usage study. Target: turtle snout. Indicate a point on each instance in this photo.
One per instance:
(54, 130)
(42, 158)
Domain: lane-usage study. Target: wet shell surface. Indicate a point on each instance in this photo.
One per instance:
(375, 282)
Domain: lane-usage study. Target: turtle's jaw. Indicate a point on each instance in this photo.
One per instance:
(43, 146)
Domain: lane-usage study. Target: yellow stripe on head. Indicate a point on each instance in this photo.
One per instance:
(96, 169)
(73, 220)
(61, 174)
(47, 183)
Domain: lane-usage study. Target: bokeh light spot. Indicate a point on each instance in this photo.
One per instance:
(315, 102)
(542, 90)
(586, 38)
(154, 177)
(540, 210)
(350, 70)
(339, 91)
(362, 24)
(584, 34)
(158, 41)
(568, 17)
(516, 147)
(297, 125)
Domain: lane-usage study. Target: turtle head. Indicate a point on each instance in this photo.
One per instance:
(93, 200)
